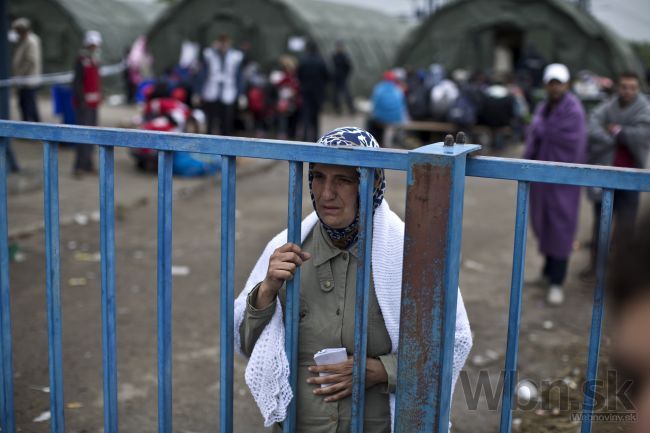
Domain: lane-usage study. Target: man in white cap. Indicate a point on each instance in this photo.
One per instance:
(87, 90)
(557, 133)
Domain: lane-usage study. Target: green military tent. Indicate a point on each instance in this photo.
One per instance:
(484, 35)
(61, 25)
(268, 25)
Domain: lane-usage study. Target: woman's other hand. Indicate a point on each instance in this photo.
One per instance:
(340, 378)
(282, 266)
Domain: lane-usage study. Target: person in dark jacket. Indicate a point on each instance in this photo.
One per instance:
(87, 91)
(313, 77)
(27, 64)
(342, 71)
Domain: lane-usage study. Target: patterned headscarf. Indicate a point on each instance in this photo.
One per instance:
(349, 136)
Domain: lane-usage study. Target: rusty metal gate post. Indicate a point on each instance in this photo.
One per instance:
(434, 213)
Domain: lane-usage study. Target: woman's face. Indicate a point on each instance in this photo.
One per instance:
(335, 189)
(556, 90)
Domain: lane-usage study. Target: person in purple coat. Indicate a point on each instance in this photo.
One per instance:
(558, 133)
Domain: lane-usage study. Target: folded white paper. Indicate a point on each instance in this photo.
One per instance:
(330, 356)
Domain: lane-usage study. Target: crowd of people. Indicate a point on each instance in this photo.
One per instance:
(238, 95)
(234, 93)
(462, 99)
(493, 108)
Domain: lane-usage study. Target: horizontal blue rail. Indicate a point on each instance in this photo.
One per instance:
(435, 187)
(392, 159)
(559, 172)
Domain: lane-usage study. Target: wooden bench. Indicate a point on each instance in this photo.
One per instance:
(448, 127)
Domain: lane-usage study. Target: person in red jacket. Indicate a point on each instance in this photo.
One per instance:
(87, 91)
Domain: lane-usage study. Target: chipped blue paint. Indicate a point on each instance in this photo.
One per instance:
(293, 289)
(514, 314)
(164, 295)
(53, 283)
(7, 416)
(597, 309)
(364, 244)
(227, 325)
(107, 254)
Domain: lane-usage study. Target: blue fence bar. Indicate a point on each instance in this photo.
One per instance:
(597, 311)
(53, 282)
(7, 421)
(364, 245)
(518, 264)
(107, 254)
(228, 208)
(165, 193)
(450, 283)
(436, 180)
(293, 290)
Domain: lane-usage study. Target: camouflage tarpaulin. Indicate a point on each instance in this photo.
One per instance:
(371, 36)
(464, 33)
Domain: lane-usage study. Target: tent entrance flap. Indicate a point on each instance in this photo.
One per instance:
(225, 24)
(508, 41)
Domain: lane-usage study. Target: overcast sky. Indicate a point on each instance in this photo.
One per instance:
(630, 18)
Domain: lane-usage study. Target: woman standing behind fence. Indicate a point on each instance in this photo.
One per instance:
(557, 133)
(328, 258)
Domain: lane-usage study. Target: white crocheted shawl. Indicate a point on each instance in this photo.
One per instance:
(267, 372)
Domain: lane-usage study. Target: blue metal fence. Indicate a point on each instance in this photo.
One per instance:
(435, 187)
